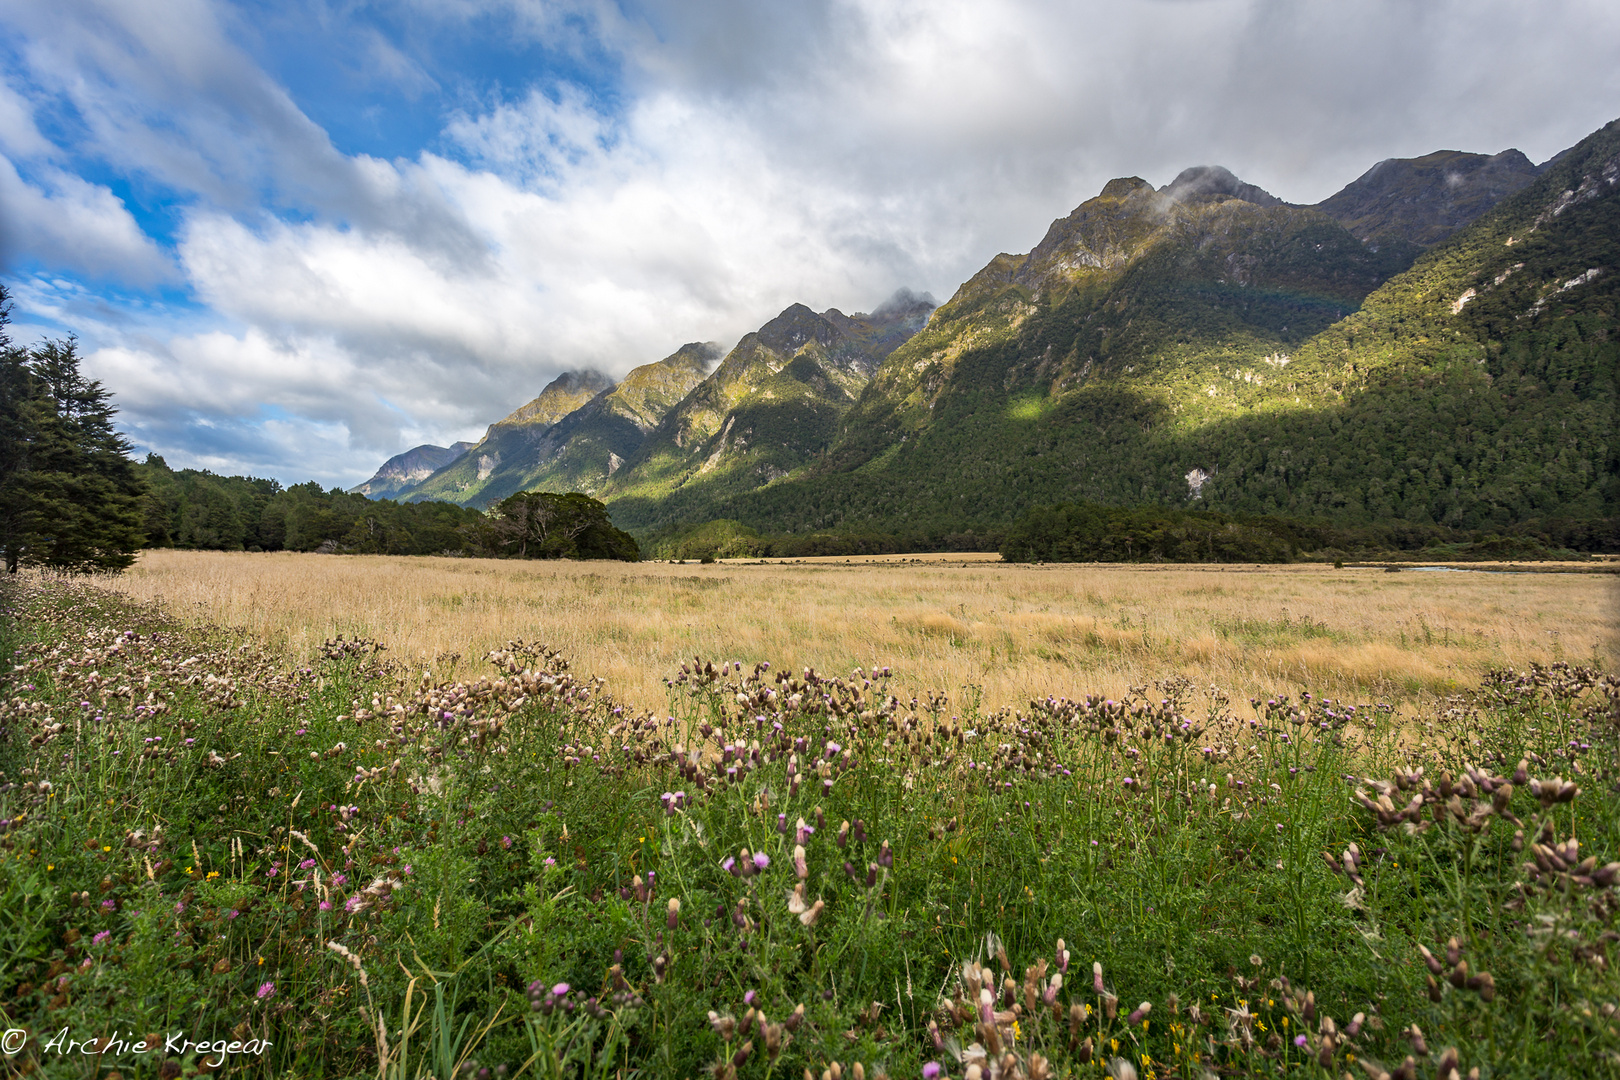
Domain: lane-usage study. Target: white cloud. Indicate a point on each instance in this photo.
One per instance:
(76, 226)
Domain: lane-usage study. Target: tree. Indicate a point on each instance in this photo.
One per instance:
(70, 498)
(545, 525)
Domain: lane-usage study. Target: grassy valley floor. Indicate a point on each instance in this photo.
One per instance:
(969, 627)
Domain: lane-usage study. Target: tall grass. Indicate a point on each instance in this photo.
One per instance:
(379, 872)
(1014, 632)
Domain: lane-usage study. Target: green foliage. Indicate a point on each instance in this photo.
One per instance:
(547, 525)
(1089, 532)
(69, 495)
(192, 508)
(519, 871)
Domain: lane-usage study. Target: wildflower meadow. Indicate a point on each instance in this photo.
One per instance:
(217, 859)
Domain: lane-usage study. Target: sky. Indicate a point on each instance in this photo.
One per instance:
(297, 237)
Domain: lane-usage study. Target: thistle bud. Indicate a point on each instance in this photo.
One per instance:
(886, 856)
(1139, 1014)
(843, 834)
(795, 1018)
(1430, 960)
(674, 917)
(809, 917)
(1096, 976)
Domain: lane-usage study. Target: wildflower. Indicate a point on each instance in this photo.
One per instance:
(931, 1071)
(761, 860)
(306, 864)
(326, 905)
(266, 990)
(100, 937)
(1300, 1041)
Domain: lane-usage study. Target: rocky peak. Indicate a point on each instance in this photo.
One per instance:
(794, 328)
(1214, 180)
(561, 396)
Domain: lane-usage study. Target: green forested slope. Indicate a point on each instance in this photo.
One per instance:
(1148, 338)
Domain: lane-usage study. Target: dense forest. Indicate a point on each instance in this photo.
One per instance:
(192, 508)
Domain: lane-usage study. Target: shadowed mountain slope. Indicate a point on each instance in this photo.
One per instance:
(1424, 200)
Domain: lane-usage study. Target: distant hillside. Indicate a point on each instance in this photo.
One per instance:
(402, 471)
(493, 467)
(772, 405)
(581, 450)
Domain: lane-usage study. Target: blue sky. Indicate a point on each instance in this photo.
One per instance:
(297, 238)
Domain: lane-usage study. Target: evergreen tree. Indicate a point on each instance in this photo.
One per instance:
(70, 498)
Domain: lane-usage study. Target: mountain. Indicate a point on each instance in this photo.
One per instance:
(772, 405)
(1436, 343)
(487, 470)
(1206, 345)
(1424, 200)
(402, 471)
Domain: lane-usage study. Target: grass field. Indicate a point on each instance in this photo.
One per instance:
(942, 623)
(289, 858)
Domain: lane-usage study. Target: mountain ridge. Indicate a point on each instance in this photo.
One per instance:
(1161, 345)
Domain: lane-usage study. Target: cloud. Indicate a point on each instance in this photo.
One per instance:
(77, 226)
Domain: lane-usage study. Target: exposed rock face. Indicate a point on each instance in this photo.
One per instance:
(1424, 200)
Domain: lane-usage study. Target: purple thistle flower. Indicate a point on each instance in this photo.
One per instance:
(761, 860)
(1300, 1041)
(559, 990)
(932, 1071)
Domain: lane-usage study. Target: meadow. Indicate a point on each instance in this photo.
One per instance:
(1004, 634)
(228, 843)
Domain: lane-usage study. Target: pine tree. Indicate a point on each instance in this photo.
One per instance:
(69, 494)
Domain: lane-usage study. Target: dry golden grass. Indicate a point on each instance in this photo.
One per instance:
(1015, 631)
